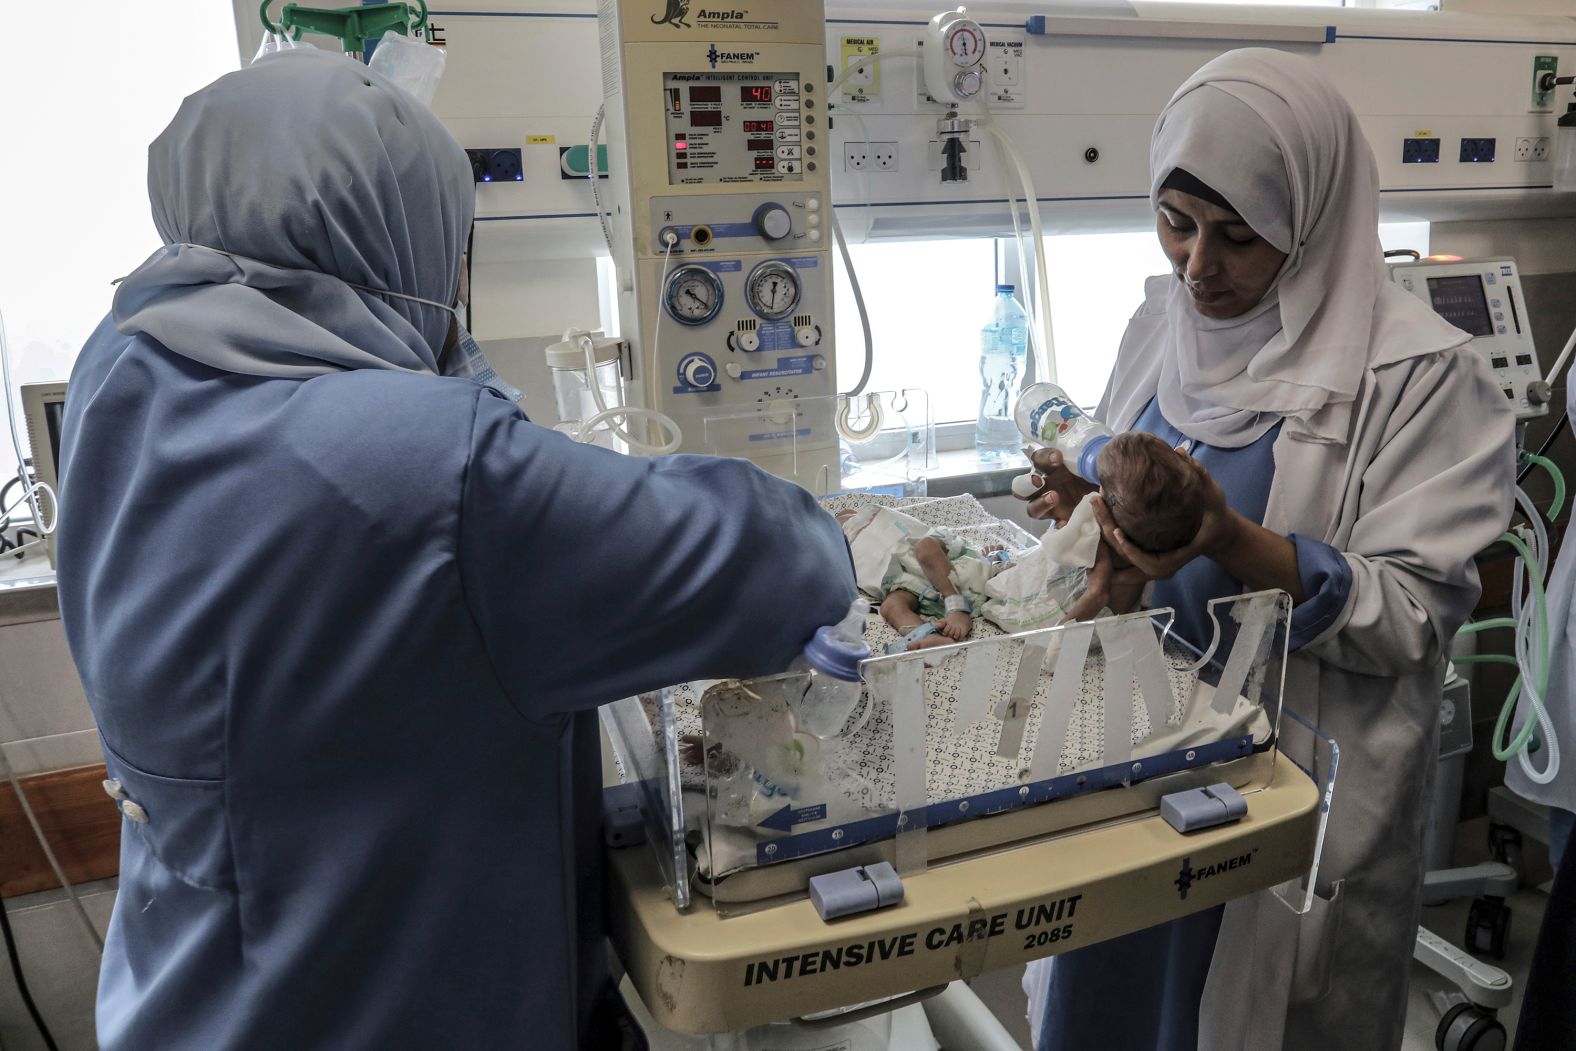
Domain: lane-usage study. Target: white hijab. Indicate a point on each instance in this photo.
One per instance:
(1270, 133)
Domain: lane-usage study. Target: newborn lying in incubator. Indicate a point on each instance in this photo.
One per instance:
(931, 582)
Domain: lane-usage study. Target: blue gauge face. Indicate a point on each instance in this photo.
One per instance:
(694, 295)
(773, 290)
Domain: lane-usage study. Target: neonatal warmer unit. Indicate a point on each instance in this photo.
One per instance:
(988, 803)
(721, 215)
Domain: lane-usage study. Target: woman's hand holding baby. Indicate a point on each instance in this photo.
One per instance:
(1217, 532)
(1060, 489)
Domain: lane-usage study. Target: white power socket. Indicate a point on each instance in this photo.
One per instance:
(877, 156)
(1532, 149)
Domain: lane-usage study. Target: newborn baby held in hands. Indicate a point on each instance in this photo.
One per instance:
(932, 583)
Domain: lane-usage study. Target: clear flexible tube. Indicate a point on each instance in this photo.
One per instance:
(1046, 348)
(615, 418)
(596, 178)
(859, 303)
(1023, 259)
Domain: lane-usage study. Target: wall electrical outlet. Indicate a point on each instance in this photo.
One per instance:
(1540, 148)
(883, 156)
(1420, 151)
(856, 156)
(1524, 149)
(1477, 151)
(496, 165)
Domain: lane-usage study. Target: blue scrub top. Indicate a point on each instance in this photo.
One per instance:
(1141, 992)
(343, 637)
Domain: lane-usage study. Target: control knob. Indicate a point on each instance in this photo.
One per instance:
(773, 221)
(1539, 393)
(697, 370)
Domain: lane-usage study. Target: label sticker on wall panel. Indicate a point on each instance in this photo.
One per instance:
(541, 140)
(1004, 73)
(864, 83)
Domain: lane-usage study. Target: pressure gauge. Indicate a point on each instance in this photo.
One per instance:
(773, 290)
(965, 42)
(694, 295)
(953, 57)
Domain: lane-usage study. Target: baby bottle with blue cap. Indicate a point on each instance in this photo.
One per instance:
(832, 660)
(1046, 415)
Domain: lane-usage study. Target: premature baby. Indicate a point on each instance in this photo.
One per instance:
(931, 583)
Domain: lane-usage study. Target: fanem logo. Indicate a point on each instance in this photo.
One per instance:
(1190, 875)
(729, 58)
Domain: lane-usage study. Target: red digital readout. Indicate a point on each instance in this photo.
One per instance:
(764, 164)
(757, 127)
(758, 144)
(756, 93)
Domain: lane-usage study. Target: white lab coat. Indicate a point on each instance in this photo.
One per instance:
(1422, 484)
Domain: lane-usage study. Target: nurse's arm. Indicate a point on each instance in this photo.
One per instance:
(1437, 492)
(593, 576)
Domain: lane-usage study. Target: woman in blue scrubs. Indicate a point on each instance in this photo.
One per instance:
(1357, 455)
(343, 620)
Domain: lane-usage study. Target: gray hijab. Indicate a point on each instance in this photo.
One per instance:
(280, 188)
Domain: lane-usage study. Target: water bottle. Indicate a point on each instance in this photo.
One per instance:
(1004, 346)
(832, 660)
(1045, 414)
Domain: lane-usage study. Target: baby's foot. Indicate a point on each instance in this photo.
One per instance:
(936, 639)
(956, 626)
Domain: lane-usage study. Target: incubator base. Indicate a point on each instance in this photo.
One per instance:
(700, 972)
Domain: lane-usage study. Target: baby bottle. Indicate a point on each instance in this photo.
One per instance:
(832, 658)
(1045, 414)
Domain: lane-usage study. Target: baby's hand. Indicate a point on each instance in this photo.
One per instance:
(956, 626)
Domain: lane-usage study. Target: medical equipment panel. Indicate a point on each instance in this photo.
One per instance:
(716, 128)
(1483, 298)
(43, 411)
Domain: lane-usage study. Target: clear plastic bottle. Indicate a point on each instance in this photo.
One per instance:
(1045, 414)
(1004, 347)
(832, 658)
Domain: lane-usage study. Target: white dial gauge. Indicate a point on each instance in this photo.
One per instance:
(965, 43)
(773, 290)
(694, 295)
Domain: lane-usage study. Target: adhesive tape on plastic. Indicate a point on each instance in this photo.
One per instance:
(1024, 486)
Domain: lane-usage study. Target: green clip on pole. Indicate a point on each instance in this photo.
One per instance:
(352, 26)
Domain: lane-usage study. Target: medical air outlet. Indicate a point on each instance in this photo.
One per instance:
(719, 194)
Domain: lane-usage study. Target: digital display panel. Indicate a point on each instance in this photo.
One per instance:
(734, 127)
(1461, 301)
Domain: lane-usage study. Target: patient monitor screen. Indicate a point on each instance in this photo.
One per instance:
(1460, 301)
(733, 127)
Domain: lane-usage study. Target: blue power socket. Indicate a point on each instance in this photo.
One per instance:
(1419, 151)
(1477, 151)
(502, 165)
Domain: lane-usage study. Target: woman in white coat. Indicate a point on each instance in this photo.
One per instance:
(1359, 455)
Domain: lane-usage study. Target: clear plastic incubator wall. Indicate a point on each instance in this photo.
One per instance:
(952, 750)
